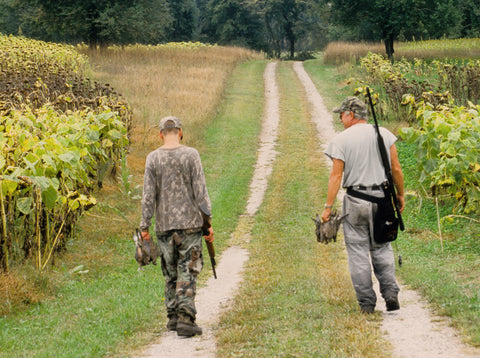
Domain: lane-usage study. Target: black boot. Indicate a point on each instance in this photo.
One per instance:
(392, 303)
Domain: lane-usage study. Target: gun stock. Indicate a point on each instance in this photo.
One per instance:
(211, 253)
(386, 165)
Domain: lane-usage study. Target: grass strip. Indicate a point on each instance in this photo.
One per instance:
(109, 308)
(296, 299)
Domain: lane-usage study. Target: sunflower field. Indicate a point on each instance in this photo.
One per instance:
(59, 134)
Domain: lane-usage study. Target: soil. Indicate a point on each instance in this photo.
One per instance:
(413, 331)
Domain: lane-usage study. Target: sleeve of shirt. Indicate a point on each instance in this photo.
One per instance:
(200, 187)
(388, 138)
(149, 194)
(334, 151)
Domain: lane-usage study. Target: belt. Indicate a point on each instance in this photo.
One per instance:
(362, 187)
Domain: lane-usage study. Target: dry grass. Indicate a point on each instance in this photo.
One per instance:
(175, 79)
(338, 53)
(16, 291)
(341, 52)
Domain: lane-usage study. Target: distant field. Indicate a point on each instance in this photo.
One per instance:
(341, 52)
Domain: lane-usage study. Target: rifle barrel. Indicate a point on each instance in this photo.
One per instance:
(386, 165)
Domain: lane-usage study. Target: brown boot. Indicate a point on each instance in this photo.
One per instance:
(172, 323)
(187, 328)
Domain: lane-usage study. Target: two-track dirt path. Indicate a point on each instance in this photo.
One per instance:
(413, 331)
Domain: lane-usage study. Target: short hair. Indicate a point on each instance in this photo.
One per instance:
(170, 127)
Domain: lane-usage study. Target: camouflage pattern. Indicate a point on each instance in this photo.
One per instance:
(182, 261)
(174, 190)
(170, 122)
(354, 104)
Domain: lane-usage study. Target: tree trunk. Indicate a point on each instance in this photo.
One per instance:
(291, 39)
(389, 47)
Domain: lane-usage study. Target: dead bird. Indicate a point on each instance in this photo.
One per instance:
(146, 251)
(327, 231)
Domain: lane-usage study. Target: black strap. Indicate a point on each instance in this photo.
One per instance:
(364, 196)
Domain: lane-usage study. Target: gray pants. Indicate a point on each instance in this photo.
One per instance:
(363, 252)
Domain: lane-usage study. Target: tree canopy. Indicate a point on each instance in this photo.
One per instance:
(390, 20)
(273, 26)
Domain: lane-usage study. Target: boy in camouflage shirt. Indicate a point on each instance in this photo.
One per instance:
(174, 189)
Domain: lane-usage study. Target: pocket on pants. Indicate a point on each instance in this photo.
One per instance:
(358, 210)
(196, 261)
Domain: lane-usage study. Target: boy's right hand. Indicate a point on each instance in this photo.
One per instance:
(145, 235)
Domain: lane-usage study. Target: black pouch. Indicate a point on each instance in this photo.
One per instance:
(385, 222)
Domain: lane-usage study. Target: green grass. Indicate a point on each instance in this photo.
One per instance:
(112, 309)
(296, 299)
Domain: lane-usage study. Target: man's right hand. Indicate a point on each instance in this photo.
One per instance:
(145, 235)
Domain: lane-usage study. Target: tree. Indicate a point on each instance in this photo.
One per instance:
(471, 18)
(235, 22)
(282, 18)
(97, 22)
(185, 15)
(390, 19)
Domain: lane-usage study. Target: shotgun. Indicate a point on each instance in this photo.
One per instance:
(386, 166)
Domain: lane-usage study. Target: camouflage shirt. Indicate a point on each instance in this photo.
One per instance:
(174, 189)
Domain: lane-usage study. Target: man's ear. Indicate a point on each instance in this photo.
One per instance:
(181, 134)
(162, 136)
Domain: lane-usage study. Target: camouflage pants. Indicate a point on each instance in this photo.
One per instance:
(182, 261)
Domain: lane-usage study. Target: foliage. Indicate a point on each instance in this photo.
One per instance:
(438, 83)
(391, 20)
(48, 166)
(36, 73)
(95, 22)
(185, 16)
(232, 22)
(58, 135)
(447, 152)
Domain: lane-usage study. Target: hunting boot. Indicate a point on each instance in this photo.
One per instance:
(186, 327)
(172, 323)
(392, 303)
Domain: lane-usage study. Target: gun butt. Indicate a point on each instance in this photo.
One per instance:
(211, 253)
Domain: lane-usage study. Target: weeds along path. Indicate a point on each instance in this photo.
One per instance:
(215, 297)
(413, 331)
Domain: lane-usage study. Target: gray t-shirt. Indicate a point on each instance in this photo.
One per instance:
(357, 147)
(174, 189)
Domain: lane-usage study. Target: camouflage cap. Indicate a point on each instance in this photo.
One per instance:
(354, 104)
(169, 123)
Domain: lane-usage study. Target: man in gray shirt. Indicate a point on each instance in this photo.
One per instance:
(174, 189)
(357, 164)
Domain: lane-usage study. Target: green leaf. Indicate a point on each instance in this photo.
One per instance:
(49, 197)
(25, 205)
(71, 158)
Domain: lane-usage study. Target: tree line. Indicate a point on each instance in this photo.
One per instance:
(273, 26)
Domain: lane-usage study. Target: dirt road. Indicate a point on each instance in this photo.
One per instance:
(413, 331)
